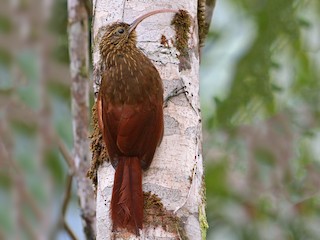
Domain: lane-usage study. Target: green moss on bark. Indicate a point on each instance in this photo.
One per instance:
(182, 22)
(202, 212)
(155, 215)
(98, 149)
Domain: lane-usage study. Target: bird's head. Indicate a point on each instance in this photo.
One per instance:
(119, 34)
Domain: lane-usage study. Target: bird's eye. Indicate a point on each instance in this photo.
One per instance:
(120, 30)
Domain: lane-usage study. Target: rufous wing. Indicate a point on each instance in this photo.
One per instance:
(133, 130)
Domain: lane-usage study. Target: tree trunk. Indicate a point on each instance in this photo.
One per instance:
(174, 184)
(79, 67)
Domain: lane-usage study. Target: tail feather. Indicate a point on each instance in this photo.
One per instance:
(127, 196)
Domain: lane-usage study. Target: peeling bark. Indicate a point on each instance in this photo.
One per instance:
(79, 66)
(174, 185)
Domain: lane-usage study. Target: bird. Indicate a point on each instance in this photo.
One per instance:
(130, 117)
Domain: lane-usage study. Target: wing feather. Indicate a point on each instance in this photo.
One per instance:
(133, 130)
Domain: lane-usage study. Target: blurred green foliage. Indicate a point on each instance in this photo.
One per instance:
(58, 25)
(262, 139)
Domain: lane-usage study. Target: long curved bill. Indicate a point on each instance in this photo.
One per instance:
(136, 22)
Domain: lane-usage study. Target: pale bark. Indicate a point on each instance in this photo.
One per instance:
(176, 173)
(79, 62)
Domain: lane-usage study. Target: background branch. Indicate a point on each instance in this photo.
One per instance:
(79, 67)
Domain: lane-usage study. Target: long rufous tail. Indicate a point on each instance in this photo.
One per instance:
(127, 197)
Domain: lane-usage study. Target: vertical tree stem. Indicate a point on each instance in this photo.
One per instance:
(79, 62)
(173, 185)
